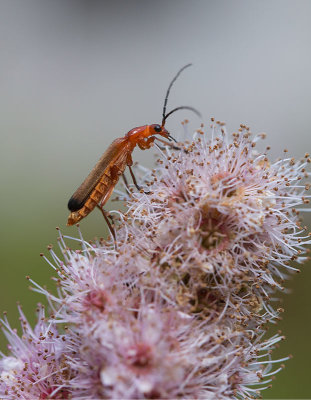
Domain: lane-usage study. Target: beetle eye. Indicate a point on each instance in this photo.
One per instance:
(157, 128)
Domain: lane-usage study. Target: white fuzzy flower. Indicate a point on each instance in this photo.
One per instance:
(178, 309)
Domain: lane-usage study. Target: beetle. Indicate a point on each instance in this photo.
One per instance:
(97, 188)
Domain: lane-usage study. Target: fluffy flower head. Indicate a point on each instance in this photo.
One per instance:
(177, 307)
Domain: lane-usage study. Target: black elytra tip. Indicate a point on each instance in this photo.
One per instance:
(74, 204)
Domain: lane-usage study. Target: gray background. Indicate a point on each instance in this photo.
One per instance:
(74, 75)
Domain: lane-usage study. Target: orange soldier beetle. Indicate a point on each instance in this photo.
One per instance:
(100, 183)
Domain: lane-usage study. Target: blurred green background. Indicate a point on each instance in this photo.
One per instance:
(76, 74)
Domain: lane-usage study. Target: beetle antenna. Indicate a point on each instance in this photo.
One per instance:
(180, 108)
(169, 89)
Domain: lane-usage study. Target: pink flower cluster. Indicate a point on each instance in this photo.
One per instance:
(178, 306)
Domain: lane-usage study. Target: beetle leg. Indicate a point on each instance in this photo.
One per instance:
(110, 226)
(144, 144)
(134, 179)
(125, 182)
(139, 188)
(129, 160)
(168, 144)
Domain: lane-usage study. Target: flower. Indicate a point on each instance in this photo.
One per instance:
(226, 218)
(37, 367)
(178, 307)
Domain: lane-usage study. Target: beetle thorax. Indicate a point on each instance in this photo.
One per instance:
(139, 133)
